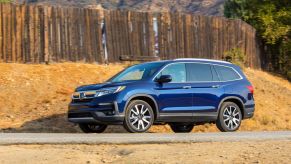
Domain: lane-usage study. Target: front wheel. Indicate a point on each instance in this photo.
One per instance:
(181, 128)
(92, 128)
(229, 118)
(139, 116)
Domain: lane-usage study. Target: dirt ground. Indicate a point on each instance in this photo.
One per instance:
(215, 152)
(34, 98)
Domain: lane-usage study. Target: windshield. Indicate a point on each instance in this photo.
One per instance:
(137, 72)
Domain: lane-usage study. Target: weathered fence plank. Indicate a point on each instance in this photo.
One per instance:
(1, 34)
(36, 34)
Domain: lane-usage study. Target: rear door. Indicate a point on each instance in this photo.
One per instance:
(205, 86)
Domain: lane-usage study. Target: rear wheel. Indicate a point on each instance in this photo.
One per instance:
(92, 128)
(139, 116)
(229, 118)
(181, 128)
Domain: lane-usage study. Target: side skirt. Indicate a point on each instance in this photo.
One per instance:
(196, 117)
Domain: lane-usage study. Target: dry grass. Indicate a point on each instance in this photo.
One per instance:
(34, 98)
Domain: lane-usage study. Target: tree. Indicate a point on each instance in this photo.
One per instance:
(272, 20)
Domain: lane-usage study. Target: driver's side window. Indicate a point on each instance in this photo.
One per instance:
(177, 72)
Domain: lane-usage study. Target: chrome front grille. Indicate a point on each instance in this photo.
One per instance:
(84, 95)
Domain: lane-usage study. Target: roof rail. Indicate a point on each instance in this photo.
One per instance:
(201, 59)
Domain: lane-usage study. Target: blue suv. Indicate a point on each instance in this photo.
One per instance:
(181, 93)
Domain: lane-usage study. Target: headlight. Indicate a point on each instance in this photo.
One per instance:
(106, 91)
(97, 93)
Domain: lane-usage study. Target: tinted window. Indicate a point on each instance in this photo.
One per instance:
(226, 73)
(199, 72)
(177, 71)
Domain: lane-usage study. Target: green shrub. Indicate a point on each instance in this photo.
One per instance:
(236, 56)
(5, 1)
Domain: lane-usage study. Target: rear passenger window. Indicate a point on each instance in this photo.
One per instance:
(226, 73)
(199, 72)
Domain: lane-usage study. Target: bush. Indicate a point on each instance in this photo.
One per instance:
(272, 21)
(5, 1)
(236, 56)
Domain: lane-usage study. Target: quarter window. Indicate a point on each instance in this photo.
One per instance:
(177, 71)
(226, 73)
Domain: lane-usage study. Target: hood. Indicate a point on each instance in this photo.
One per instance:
(103, 85)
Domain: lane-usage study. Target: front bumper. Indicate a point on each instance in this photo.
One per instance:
(104, 114)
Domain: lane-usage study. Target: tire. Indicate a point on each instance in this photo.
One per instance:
(229, 117)
(181, 128)
(139, 117)
(92, 128)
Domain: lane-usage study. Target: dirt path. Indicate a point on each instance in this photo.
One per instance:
(142, 138)
(213, 152)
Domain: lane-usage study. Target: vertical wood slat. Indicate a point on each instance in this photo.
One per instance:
(109, 36)
(7, 32)
(65, 33)
(4, 24)
(52, 34)
(88, 41)
(40, 32)
(72, 55)
(113, 35)
(117, 30)
(13, 34)
(46, 37)
(99, 41)
(134, 40)
(31, 33)
(35, 32)
(1, 34)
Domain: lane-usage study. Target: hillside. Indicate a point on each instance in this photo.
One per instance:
(34, 98)
(205, 7)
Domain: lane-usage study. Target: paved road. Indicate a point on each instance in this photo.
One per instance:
(127, 138)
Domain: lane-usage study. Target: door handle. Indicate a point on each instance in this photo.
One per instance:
(187, 87)
(215, 86)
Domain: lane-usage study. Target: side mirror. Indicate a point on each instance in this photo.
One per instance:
(164, 79)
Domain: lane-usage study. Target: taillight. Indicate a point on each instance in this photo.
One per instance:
(251, 89)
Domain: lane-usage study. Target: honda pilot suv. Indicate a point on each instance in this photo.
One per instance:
(182, 93)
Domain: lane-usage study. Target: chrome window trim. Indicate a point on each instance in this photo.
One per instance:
(211, 64)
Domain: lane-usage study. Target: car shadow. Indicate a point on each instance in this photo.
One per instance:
(55, 124)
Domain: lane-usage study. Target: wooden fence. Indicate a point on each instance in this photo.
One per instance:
(37, 34)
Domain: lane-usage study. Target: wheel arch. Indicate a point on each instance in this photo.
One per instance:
(147, 98)
(235, 100)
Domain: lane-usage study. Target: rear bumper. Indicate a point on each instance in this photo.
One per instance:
(107, 114)
(249, 112)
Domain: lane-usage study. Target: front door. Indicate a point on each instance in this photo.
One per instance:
(175, 97)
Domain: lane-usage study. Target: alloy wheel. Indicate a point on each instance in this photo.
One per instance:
(140, 117)
(231, 117)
